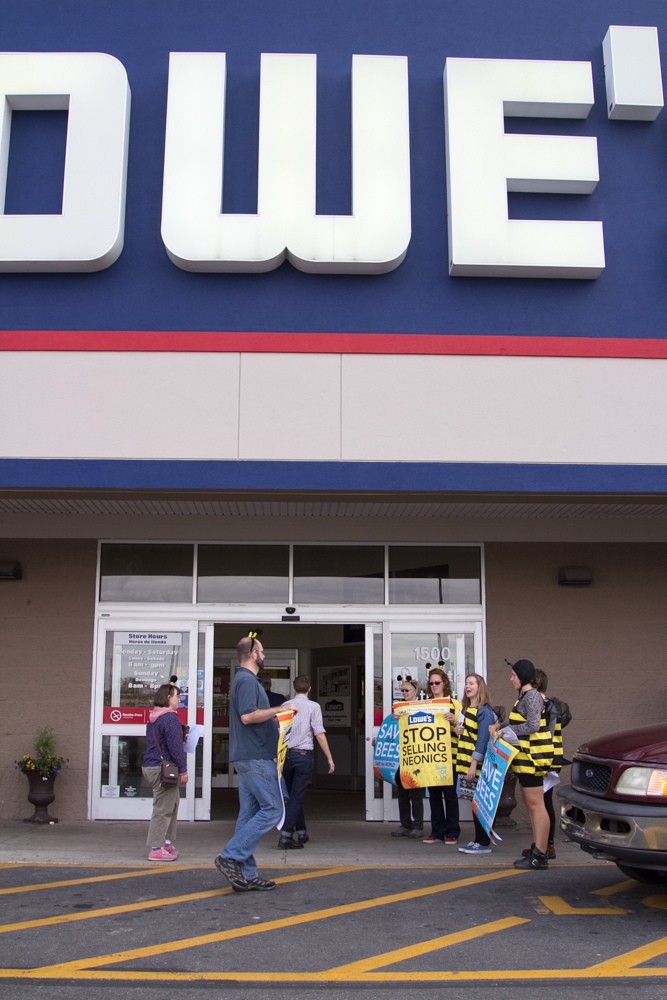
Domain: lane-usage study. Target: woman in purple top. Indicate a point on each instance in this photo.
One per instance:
(164, 727)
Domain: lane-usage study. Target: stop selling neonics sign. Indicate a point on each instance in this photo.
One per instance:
(483, 162)
(425, 744)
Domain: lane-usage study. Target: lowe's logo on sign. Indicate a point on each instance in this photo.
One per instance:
(418, 720)
(484, 162)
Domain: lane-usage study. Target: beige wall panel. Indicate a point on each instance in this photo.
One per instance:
(46, 636)
(604, 647)
(504, 409)
(92, 404)
(290, 407)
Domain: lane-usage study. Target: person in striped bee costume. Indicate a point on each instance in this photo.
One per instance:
(528, 721)
(473, 738)
(557, 715)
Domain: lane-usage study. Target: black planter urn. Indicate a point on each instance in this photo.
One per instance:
(507, 803)
(41, 795)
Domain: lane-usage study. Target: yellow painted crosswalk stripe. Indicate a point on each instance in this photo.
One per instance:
(110, 911)
(423, 948)
(611, 890)
(621, 963)
(65, 969)
(94, 878)
(558, 906)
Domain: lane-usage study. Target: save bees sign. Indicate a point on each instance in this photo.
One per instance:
(425, 743)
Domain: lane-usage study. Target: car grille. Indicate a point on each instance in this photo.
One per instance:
(592, 777)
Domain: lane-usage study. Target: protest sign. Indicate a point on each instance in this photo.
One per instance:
(285, 720)
(386, 758)
(499, 755)
(425, 743)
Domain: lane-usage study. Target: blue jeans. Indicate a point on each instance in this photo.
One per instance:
(260, 809)
(297, 772)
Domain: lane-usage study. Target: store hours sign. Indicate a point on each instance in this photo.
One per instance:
(484, 162)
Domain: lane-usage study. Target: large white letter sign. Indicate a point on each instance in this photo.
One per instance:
(93, 87)
(632, 73)
(484, 163)
(199, 237)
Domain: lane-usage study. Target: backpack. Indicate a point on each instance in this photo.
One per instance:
(563, 711)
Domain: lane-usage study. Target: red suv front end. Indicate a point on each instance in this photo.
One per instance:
(616, 806)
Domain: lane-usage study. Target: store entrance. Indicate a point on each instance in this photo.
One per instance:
(333, 657)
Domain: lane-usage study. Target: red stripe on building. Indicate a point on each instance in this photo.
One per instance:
(329, 343)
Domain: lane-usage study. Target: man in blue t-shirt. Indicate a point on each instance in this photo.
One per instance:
(253, 748)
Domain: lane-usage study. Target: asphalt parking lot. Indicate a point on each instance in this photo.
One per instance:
(330, 932)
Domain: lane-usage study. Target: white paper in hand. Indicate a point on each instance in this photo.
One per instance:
(192, 739)
(551, 780)
(508, 734)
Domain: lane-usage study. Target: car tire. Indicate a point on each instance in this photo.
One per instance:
(650, 875)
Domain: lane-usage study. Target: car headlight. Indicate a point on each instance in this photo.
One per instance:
(642, 781)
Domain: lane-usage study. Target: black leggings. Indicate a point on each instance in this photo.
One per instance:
(549, 806)
(481, 836)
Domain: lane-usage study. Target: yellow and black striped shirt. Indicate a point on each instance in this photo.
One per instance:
(536, 750)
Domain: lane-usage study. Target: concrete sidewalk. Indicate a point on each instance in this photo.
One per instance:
(332, 843)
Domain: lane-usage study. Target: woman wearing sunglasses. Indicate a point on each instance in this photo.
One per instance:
(445, 827)
(410, 801)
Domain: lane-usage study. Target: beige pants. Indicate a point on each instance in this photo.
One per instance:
(165, 808)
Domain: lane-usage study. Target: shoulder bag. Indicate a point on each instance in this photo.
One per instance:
(168, 770)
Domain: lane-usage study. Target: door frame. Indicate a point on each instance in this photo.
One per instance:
(397, 627)
(197, 619)
(139, 808)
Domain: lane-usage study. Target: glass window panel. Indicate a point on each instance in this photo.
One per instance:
(434, 575)
(137, 663)
(243, 574)
(413, 654)
(338, 574)
(121, 777)
(220, 754)
(378, 783)
(157, 573)
(221, 687)
(201, 668)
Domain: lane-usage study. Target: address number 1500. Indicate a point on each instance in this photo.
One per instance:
(424, 653)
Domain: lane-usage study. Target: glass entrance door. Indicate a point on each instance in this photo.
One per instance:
(409, 652)
(132, 662)
(279, 666)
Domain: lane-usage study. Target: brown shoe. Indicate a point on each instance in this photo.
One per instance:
(551, 852)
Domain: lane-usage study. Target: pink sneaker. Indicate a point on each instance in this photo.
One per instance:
(451, 840)
(170, 849)
(161, 855)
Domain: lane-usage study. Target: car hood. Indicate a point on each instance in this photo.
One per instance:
(648, 744)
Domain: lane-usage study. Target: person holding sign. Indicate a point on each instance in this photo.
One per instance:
(409, 799)
(527, 721)
(473, 736)
(444, 819)
(253, 749)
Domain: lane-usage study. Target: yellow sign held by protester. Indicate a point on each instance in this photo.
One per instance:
(285, 720)
(425, 743)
